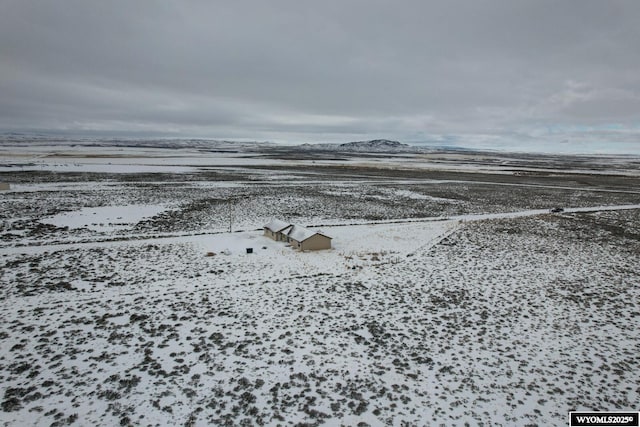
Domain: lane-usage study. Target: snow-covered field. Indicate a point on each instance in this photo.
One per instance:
(105, 218)
(444, 299)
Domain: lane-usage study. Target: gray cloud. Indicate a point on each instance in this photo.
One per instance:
(301, 71)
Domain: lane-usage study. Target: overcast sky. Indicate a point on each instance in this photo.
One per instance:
(477, 73)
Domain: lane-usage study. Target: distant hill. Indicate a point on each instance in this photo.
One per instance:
(22, 139)
(372, 146)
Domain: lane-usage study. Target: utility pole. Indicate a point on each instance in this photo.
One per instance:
(232, 206)
(232, 212)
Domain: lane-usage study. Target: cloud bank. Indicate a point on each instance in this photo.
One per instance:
(495, 74)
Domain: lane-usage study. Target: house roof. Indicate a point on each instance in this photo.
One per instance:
(277, 225)
(301, 234)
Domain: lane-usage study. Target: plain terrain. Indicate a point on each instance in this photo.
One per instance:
(451, 294)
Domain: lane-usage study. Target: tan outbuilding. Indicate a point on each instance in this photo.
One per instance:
(277, 229)
(299, 237)
(307, 240)
(4, 186)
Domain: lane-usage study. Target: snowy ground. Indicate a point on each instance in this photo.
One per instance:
(443, 301)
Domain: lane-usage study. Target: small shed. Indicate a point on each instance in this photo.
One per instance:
(277, 229)
(4, 186)
(305, 239)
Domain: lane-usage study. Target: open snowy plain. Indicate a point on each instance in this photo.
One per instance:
(451, 295)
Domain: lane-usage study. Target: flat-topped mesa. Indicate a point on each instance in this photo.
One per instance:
(371, 146)
(374, 143)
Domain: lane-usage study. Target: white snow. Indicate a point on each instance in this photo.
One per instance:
(277, 225)
(300, 233)
(503, 318)
(105, 218)
(418, 196)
